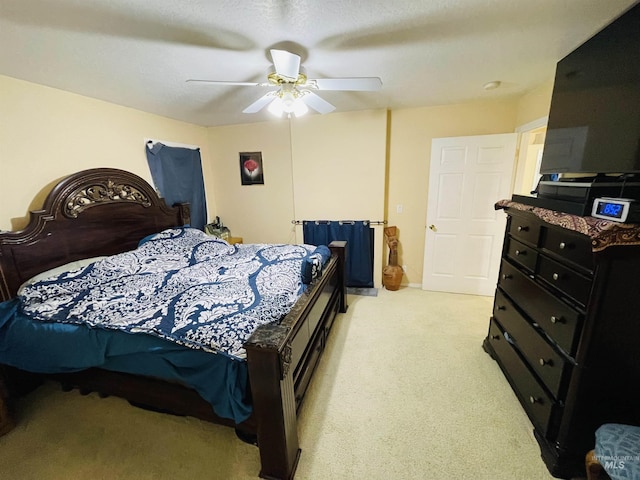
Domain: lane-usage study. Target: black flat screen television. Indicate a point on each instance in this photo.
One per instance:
(594, 120)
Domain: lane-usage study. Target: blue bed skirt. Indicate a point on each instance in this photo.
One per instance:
(42, 347)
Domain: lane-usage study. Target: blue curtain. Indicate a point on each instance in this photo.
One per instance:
(359, 237)
(177, 174)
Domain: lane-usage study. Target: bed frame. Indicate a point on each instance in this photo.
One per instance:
(106, 211)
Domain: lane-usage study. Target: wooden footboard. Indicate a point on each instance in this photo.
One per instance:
(282, 359)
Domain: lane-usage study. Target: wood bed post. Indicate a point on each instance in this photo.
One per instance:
(281, 358)
(274, 404)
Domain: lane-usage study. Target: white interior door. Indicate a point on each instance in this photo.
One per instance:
(464, 233)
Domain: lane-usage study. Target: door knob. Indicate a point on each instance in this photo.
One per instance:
(433, 227)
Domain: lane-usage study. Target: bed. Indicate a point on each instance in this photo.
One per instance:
(106, 212)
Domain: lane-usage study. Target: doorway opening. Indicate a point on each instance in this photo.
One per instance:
(530, 147)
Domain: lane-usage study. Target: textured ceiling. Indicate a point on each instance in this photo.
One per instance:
(427, 52)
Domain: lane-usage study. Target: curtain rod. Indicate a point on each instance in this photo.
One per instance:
(351, 222)
(153, 141)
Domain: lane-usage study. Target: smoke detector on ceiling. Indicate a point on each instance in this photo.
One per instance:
(492, 85)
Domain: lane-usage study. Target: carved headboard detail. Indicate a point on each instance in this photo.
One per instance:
(101, 211)
(108, 191)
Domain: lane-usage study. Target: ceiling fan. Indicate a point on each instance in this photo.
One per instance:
(295, 92)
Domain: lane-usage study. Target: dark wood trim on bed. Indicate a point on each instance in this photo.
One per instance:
(107, 211)
(282, 359)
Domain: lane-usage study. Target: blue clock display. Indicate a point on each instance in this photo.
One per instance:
(623, 210)
(608, 209)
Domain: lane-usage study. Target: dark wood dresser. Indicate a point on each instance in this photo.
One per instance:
(565, 328)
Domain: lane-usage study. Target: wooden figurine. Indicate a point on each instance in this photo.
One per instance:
(392, 273)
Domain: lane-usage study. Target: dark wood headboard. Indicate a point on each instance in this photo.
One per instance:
(101, 211)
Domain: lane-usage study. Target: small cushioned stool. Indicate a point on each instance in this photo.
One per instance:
(616, 454)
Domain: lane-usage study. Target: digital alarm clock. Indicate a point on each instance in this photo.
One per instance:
(624, 210)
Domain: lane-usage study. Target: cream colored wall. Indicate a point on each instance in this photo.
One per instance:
(257, 213)
(534, 104)
(533, 112)
(339, 171)
(315, 167)
(531, 146)
(46, 134)
(410, 147)
(371, 156)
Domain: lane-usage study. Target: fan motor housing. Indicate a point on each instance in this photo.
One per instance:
(276, 79)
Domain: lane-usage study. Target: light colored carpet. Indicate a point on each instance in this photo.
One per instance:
(404, 391)
(367, 292)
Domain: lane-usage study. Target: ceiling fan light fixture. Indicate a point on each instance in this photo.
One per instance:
(288, 100)
(300, 108)
(279, 106)
(275, 107)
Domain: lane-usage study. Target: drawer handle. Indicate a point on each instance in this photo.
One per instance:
(521, 252)
(555, 319)
(506, 276)
(501, 307)
(533, 399)
(544, 362)
(562, 245)
(555, 276)
(495, 337)
(523, 228)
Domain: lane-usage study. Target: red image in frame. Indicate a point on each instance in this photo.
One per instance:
(251, 172)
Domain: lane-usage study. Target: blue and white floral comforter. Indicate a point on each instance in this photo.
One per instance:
(180, 285)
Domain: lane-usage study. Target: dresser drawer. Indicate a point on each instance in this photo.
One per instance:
(560, 321)
(569, 246)
(543, 359)
(538, 405)
(524, 229)
(522, 254)
(566, 280)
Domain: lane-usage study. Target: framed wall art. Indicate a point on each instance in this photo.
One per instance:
(251, 172)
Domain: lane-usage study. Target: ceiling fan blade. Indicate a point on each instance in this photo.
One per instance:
(218, 82)
(260, 103)
(287, 64)
(314, 101)
(353, 84)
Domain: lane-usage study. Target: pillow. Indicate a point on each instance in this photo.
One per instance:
(154, 235)
(312, 264)
(67, 267)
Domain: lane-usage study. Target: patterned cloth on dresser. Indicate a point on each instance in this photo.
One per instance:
(602, 233)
